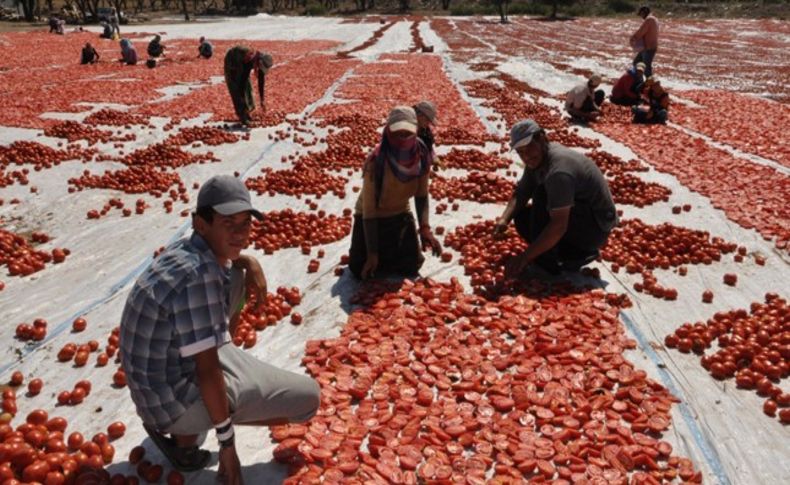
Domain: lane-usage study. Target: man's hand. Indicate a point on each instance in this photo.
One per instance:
(371, 263)
(515, 265)
(429, 241)
(499, 229)
(254, 279)
(229, 466)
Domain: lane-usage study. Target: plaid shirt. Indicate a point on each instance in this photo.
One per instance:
(178, 307)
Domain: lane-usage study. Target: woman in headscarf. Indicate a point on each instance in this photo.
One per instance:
(384, 237)
(128, 54)
(239, 63)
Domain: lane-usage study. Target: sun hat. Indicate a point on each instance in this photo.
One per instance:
(402, 118)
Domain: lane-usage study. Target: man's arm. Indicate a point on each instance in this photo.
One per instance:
(212, 385)
(640, 32)
(521, 195)
(211, 382)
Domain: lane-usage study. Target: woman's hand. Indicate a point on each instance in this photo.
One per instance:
(429, 241)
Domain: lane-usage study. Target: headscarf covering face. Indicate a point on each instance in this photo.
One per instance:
(126, 45)
(408, 158)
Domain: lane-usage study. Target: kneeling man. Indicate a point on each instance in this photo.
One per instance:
(572, 212)
(183, 377)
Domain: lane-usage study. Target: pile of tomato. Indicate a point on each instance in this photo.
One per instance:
(631, 190)
(133, 180)
(298, 181)
(348, 138)
(612, 165)
(375, 85)
(482, 256)
(290, 229)
(754, 348)
(368, 42)
(255, 317)
(40, 156)
(39, 450)
(21, 258)
(752, 195)
(440, 385)
(166, 155)
(638, 247)
(113, 117)
(417, 43)
(470, 159)
(477, 186)
(207, 135)
(74, 130)
(748, 123)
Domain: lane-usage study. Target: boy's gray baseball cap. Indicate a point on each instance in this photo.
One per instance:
(227, 195)
(522, 132)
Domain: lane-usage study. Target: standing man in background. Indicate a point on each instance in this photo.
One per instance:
(645, 40)
(240, 62)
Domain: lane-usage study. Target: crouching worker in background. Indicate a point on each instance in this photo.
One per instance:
(128, 52)
(89, 54)
(384, 237)
(183, 376)
(584, 101)
(656, 107)
(627, 90)
(205, 49)
(572, 211)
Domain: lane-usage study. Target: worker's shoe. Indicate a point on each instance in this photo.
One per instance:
(183, 459)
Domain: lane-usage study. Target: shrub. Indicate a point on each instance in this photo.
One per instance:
(620, 6)
(315, 10)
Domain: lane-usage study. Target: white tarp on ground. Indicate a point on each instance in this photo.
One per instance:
(722, 429)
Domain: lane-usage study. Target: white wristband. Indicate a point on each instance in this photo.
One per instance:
(226, 435)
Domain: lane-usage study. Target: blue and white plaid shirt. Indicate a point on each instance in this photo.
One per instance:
(178, 307)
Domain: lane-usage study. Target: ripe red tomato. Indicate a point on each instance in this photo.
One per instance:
(116, 430)
(17, 378)
(75, 440)
(79, 325)
(85, 385)
(175, 478)
(34, 386)
(137, 454)
(37, 416)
